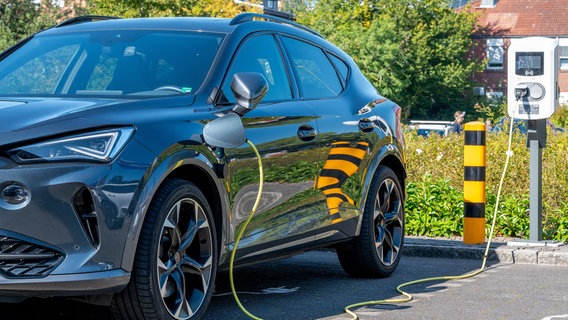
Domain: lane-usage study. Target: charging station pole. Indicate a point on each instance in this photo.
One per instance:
(536, 141)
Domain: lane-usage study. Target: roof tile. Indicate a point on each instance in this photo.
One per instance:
(523, 18)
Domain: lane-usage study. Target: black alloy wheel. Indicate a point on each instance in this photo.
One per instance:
(176, 259)
(376, 251)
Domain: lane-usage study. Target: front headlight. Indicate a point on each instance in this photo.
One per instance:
(101, 146)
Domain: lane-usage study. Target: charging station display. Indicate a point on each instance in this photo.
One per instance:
(532, 78)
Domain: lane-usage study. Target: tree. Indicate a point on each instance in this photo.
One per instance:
(21, 18)
(15, 23)
(154, 8)
(413, 51)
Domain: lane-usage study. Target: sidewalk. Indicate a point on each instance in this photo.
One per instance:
(514, 251)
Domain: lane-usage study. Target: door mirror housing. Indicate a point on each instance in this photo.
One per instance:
(228, 131)
(248, 88)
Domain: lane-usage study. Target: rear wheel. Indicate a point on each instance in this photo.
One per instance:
(376, 251)
(176, 259)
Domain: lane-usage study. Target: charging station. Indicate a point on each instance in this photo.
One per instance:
(532, 95)
(532, 78)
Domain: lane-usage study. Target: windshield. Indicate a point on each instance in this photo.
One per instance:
(110, 63)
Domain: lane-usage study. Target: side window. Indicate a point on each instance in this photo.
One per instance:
(341, 67)
(317, 76)
(102, 73)
(260, 54)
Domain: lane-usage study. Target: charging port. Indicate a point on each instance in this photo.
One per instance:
(521, 91)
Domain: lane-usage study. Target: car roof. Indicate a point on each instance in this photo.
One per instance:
(243, 24)
(81, 24)
(211, 24)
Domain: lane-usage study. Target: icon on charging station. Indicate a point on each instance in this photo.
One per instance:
(532, 78)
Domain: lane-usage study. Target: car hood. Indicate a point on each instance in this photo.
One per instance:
(29, 118)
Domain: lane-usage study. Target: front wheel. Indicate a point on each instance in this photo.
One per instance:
(176, 259)
(376, 251)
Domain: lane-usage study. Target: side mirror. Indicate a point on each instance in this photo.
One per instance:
(228, 131)
(248, 88)
(225, 132)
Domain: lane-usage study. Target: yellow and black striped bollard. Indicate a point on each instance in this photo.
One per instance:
(474, 183)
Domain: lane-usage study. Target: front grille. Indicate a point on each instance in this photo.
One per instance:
(23, 259)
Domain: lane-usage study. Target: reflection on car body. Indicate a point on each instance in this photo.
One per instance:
(343, 160)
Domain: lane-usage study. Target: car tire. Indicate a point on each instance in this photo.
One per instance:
(176, 259)
(376, 251)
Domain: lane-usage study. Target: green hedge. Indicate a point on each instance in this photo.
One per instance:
(435, 186)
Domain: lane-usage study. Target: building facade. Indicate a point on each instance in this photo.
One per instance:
(501, 22)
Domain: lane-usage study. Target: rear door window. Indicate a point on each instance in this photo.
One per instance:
(316, 75)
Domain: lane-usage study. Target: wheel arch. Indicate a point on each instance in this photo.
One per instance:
(188, 165)
(206, 181)
(390, 156)
(398, 167)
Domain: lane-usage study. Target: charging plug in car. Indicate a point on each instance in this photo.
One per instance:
(521, 91)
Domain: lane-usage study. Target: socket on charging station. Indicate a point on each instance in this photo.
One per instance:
(532, 78)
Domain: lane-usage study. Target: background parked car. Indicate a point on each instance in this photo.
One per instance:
(428, 127)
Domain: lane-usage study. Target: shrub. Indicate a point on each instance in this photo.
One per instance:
(433, 208)
(435, 185)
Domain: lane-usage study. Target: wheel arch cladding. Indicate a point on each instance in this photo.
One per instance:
(396, 165)
(206, 183)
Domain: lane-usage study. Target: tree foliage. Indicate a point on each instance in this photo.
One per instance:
(21, 18)
(154, 8)
(414, 51)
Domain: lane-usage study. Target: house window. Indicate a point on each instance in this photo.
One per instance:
(494, 53)
(563, 55)
(494, 96)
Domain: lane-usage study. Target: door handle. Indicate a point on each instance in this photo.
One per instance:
(306, 133)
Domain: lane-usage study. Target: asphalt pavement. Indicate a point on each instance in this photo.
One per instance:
(510, 251)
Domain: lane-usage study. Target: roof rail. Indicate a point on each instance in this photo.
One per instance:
(81, 19)
(249, 16)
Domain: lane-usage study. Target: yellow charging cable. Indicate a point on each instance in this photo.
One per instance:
(242, 230)
(408, 297)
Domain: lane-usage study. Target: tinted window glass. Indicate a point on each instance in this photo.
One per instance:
(109, 63)
(316, 75)
(36, 74)
(341, 67)
(261, 54)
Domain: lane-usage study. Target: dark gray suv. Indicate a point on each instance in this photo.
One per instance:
(119, 186)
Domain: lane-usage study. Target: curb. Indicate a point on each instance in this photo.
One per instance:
(545, 253)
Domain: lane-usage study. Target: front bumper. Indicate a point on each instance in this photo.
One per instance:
(70, 237)
(82, 284)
